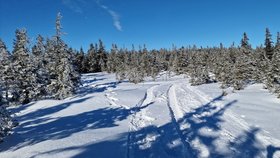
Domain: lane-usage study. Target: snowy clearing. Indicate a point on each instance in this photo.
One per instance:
(162, 118)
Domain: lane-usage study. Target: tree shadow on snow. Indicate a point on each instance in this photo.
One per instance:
(98, 88)
(41, 129)
(49, 110)
(17, 109)
(161, 141)
(271, 150)
(151, 141)
(92, 80)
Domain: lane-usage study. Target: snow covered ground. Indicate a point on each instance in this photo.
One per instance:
(162, 118)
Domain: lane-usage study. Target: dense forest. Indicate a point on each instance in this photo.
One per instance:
(51, 69)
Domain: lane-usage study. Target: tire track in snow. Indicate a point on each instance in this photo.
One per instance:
(175, 114)
(138, 119)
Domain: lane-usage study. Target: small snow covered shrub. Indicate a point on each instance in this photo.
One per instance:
(6, 123)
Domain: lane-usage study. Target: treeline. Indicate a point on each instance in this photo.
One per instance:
(236, 66)
(51, 69)
(46, 71)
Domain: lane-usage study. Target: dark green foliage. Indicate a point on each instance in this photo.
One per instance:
(268, 44)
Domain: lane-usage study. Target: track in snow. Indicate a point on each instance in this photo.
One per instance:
(139, 119)
(172, 104)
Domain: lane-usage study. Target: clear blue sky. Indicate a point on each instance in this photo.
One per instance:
(156, 23)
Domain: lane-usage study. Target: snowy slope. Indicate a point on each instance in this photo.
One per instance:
(162, 118)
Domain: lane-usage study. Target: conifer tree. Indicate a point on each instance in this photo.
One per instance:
(80, 61)
(268, 44)
(122, 64)
(277, 45)
(245, 46)
(92, 62)
(5, 72)
(64, 77)
(225, 67)
(38, 60)
(101, 57)
(199, 68)
(155, 66)
(112, 59)
(24, 70)
(6, 122)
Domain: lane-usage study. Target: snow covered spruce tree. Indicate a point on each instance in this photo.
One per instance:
(80, 60)
(101, 57)
(122, 63)
(112, 59)
(136, 68)
(24, 87)
(199, 69)
(268, 44)
(173, 62)
(272, 74)
(38, 59)
(6, 122)
(242, 68)
(276, 64)
(224, 63)
(155, 66)
(91, 59)
(5, 72)
(64, 77)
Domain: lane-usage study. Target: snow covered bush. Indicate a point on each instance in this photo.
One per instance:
(6, 123)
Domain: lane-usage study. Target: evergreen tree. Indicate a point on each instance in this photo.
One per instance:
(245, 46)
(136, 67)
(38, 60)
(6, 122)
(155, 66)
(173, 62)
(80, 61)
(101, 57)
(199, 68)
(64, 77)
(277, 45)
(112, 59)
(24, 70)
(239, 72)
(226, 61)
(183, 61)
(92, 62)
(268, 44)
(5, 72)
(276, 71)
(122, 63)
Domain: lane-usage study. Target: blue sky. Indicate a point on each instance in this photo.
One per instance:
(156, 23)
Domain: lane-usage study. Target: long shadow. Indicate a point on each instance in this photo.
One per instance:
(93, 80)
(97, 89)
(93, 75)
(271, 150)
(58, 128)
(204, 118)
(16, 109)
(246, 145)
(50, 110)
(161, 139)
(164, 137)
(109, 148)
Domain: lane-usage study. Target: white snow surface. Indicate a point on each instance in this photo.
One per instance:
(154, 119)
